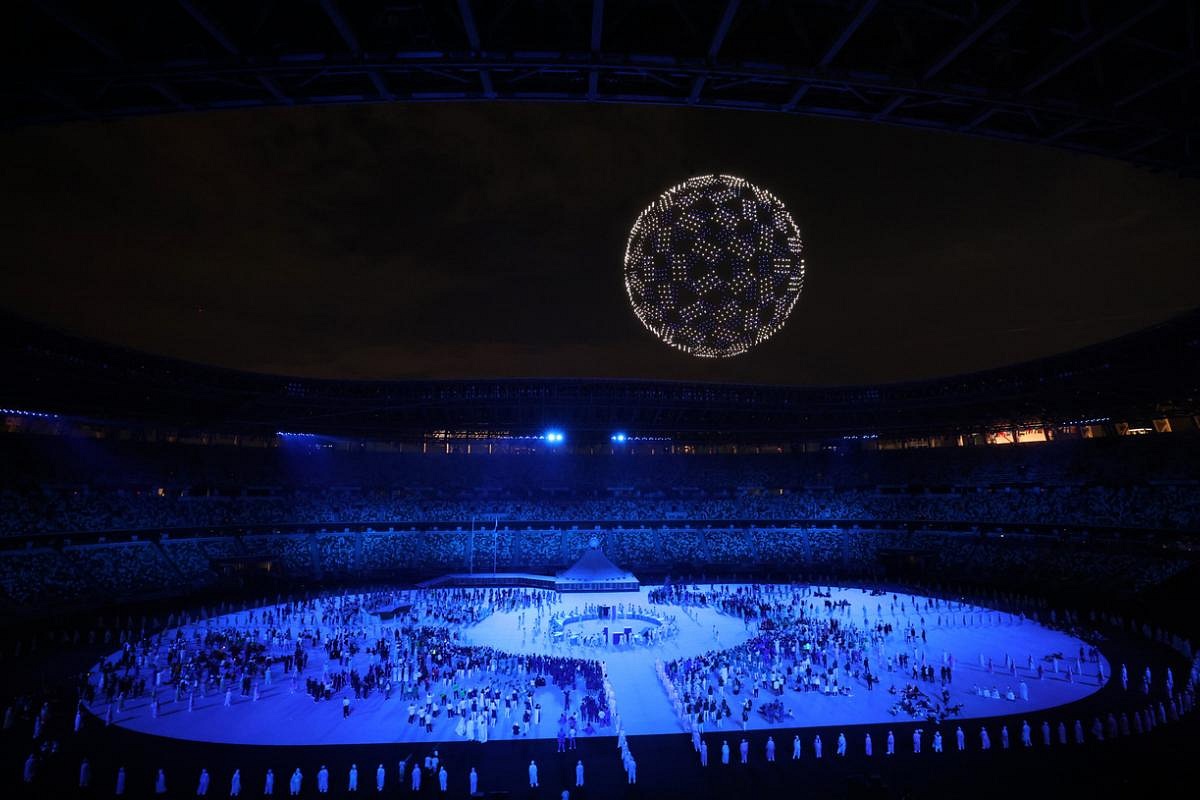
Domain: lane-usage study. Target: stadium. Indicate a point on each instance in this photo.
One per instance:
(310, 486)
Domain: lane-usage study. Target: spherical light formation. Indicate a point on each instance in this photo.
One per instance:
(714, 266)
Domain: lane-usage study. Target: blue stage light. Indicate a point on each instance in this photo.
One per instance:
(554, 437)
(619, 438)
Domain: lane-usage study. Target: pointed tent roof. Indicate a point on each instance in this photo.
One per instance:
(593, 565)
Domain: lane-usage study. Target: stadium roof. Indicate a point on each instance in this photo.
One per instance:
(1116, 79)
(1146, 375)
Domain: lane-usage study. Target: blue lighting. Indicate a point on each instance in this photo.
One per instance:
(619, 438)
(17, 412)
(554, 437)
(286, 435)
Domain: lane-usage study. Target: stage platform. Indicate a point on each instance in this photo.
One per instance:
(525, 580)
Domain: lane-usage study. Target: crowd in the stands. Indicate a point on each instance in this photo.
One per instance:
(125, 516)
(48, 510)
(146, 567)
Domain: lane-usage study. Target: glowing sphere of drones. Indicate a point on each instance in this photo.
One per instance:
(714, 266)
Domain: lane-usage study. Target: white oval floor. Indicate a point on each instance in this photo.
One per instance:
(281, 717)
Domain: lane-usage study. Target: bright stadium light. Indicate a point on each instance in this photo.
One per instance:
(17, 412)
(619, 438)
(554, 437)
(714, 266)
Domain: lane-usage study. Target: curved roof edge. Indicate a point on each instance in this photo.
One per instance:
(1151, 372)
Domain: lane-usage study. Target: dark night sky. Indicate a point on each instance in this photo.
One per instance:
(486, 240)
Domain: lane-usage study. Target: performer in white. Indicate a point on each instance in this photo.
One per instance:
(322, 780)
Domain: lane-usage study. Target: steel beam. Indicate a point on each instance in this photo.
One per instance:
(892, 105)
(796, 97)
(597, 35)
(468, 22)
(171, 95)
(432, 77)
(330, 7)
(618, 66)
(1092, 43)
(1159, 82)
(970, 39)
(714, 47)
(1142, 144)
(214, 30)
(66, 101)
(380, 85)
(978, 120)
(346, 31)
(1064, 131)
(860, 17)
(597, 24)
(270, 84)
(718, 38)
(77, 26)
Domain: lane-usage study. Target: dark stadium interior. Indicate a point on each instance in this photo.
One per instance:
(321, 376)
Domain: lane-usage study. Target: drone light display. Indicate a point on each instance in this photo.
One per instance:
(714, 266)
